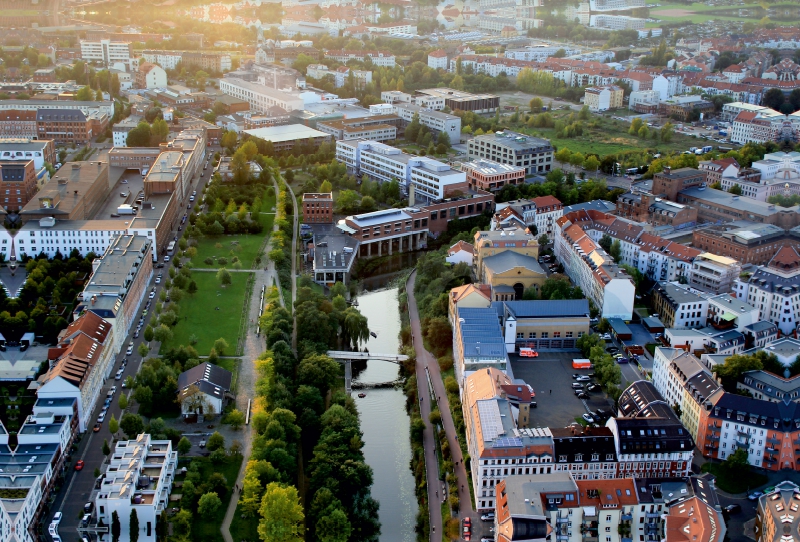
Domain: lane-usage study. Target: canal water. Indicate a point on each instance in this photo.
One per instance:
(385, 423)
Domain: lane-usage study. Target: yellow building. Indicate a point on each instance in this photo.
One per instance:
(603, 98)
(491, 243)
(510, 274)
(469, 295)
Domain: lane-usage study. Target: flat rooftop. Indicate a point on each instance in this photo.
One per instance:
(678, 295)
(66, 189)
(166, 168)
(489, 167)
(740, 203)
(290, 132)
(115, 266)
(452, 94)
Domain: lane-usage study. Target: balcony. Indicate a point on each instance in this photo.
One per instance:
(774, 440)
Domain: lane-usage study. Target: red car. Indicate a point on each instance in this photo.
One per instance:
(96, 427)
(467, 528)
(79, 465)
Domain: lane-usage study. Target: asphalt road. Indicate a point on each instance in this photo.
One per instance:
(78, 485)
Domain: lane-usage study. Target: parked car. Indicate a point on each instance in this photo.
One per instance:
(487, 517)
(129, 351)
(593, 387)
(79, 465)
(166, 259)
(118, 376)
(152, 295)
(136, 334)
(202, 443)
(576, 386)
(581, 395)
(754, 496)
(622, 360)
(113, 389)
(583, 378)
(612, 349)
(588, 417)
(733, 508)
(57, 518)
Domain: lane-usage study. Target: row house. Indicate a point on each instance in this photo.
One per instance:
(541, 212)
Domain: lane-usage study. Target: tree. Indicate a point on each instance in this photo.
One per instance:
(143, 350)
(148, 333)
(85, 94)
(773, 98)
(123, 402)
(184, 445)
(736, 190)
(220, 345)
(159, 131)
(667, 131)
(536, 105)
(543, 240)
(591, 163)
(235, 418)
(209, 504)
(563, 155)
(134, 526)
(106, 448)
(223, 276)
(144, 396)
(113, 425)
(116, 529)
(229, 140)
(162, 333)
(215, 441)
(281, 513)
(605, 242)
(131, 424)
(349, 201)
(325, 187)
(334, 527)
(616, 250)
(734, 366)
(139, 136)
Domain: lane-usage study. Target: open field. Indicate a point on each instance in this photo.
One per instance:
(701, 12)
(199, 317)
(246, 246)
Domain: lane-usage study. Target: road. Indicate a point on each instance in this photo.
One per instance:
(78, 485)
(427, 361)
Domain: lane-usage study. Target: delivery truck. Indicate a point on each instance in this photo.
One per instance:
(581, 364)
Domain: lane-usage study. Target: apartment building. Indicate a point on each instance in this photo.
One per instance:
(211, 62)
(477, 343)
(18, 124)
(376, 128)
(118, 283)
(532, 153)
(588, 453)
(651, 441)
(150, 76)
(776, 161)
(18, 183)
(773, 289)
(79, 365)
(543, 323)
(437, 59)
(24, 149)
(318, 208)
(539, 214)
(424, 178)
(151, 464)
(29, 470)
(260, 97)
(772, 518)
(767, 386)
(500, 442)
(678, 307)
(65, 126)
(590, 267)
(384, 59)
(713, 273)
(603, 98)
(107, 53)
(436, 121)
(492, 176)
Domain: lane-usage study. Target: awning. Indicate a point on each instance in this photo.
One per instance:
(728, 317)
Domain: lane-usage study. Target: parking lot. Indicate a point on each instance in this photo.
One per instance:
(550, 374)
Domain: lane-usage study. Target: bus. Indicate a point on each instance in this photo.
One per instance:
(171, 247)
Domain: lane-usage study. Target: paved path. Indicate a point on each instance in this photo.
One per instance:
(294, 263)
(245, 383)
(426, 360)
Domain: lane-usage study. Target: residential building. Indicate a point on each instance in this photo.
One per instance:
(384, 59)
(22, 149)
(436, 121)
(698, 516)
(286, 138)
(707, 339)
(107, 53)
(318, 208)
(774, 291)
(603, 98)
(644, 101)
(458, 100)
(437, 60)
(79, 365)
(714, 274)
(119, 283)
(151, 464)
(150, 76)
(532, 153)
(650, 439)
(18, 184)
(119, 132)
(425, 179)
(469, 295)
(588, 453)
(492, 176)
(461, 252)
(210, 62)
(543, 324)
(678, 307)
(590, 267)
(18, 124)
(538, 214)
(386, 230)
(477, 344)
(65, 126)
(772, 519)
(333, 258)
(203, 391)
(725, 311)
(260, 97)
(340, 75)
(499, 441)
(770, 387)
(774, 161)
(377, 128)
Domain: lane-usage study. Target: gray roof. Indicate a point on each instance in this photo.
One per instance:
(505, 261)
(544, 308)
(516, 141)
(60, 115)
(761, 325)
(740, 203)
(594, 205)
(324, 258)
(206, 372)
(676, 294)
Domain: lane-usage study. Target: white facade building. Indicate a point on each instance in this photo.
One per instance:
(773, 290)
(435, 120)
(437, 60)
(714, 274)
(107, 52)
(49, 235)
(775, 161)
(260, 97)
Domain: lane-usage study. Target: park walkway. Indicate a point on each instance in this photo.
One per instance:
(246, 380)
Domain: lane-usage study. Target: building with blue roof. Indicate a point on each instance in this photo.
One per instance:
(478, 343)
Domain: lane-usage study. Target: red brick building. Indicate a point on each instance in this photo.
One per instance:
(17, 184)
(492, 176)
(317, 208)
(67, 126)
(18, 123)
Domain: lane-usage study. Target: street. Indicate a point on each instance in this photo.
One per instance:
(78, 486)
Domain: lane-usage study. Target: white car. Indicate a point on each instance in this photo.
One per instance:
(158, 280)
(101, 417)
(57, 518)
(152, 295)
(113, 390)
(166, 259)
(118, 376)
(583, 378)
(129, 351)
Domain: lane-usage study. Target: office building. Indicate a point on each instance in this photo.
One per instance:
(139, 477)
(376, 128)
(106, 107)
(458, 100)
(532, 153)
(435, 121)
(260, 97)
(492, 176)
(18, 184)
(477, 343)
(289, 137)
(387, 230)
(333, 257)
(745, 241)
(317, 208)
(18, 124)
(543, 323)
(107, 53)
(66, 127)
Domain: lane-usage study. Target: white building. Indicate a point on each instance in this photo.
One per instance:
(713, 273)
(724, 308)
(203, 390)
(107, 52)
(678, 307)
(429, 179)
(50, 235)
(437, 60)
(775, 161)
(139, 477)
(650, 97)
(260, 97)
(539, 52)
(773, 290)
(24, 149)
(435, 103)
(152, 76)
(119, 131)
(383, 59)
(436, 121)
(340, 75)
(168, 60)
(461, 252)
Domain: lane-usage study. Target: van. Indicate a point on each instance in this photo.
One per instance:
(528, 353)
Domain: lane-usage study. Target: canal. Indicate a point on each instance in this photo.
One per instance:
(385, 423)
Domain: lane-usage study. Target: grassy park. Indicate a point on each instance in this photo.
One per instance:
(246, 247)
(200, 318)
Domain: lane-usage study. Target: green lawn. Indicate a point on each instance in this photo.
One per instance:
(244, 528)
(198, 315)
(245, 246)
(207, 528)
(735, 484)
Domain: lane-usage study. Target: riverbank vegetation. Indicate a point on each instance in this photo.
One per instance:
(281, 247)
